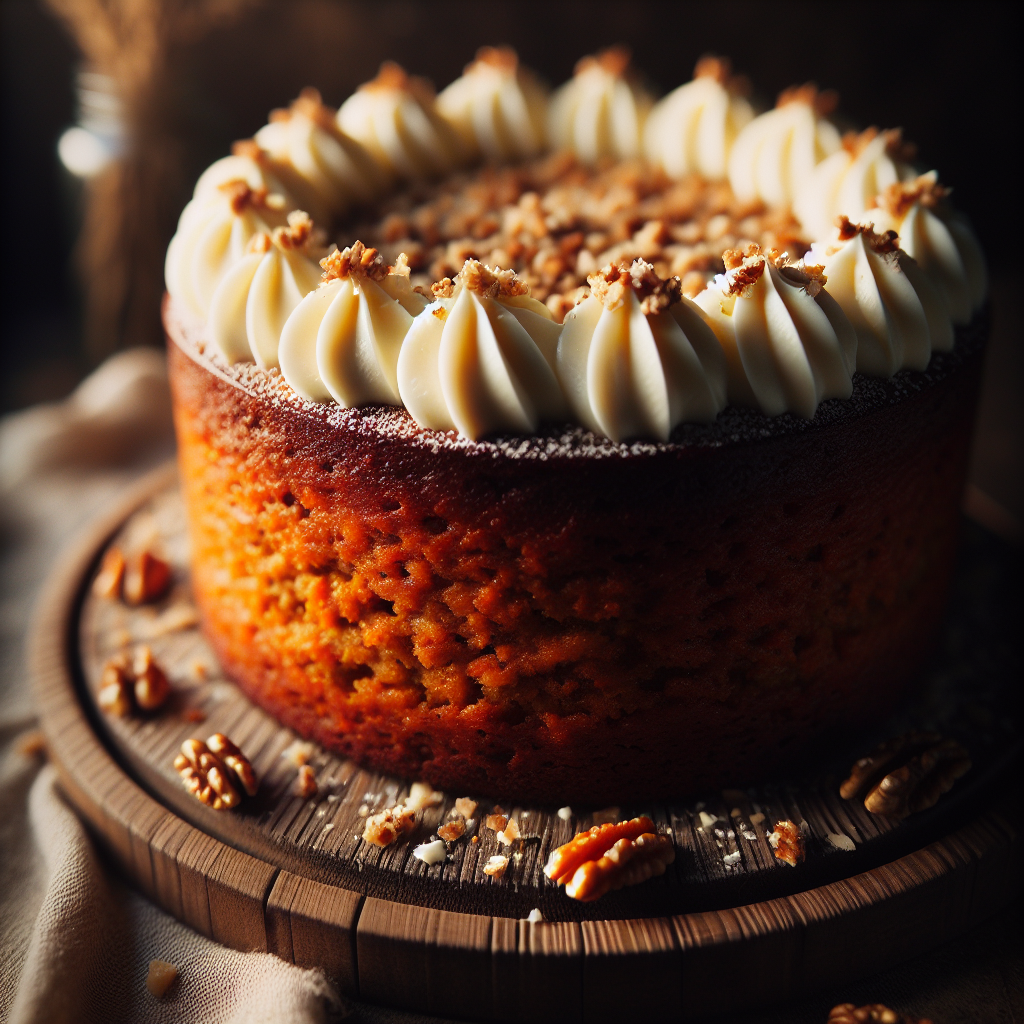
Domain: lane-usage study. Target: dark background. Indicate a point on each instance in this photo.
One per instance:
(948, 74)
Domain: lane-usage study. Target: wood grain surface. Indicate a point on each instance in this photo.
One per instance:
(448, 940)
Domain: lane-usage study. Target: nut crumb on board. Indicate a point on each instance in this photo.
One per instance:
(787, 842)
(305, 782)
(384, 828)
(160, 977)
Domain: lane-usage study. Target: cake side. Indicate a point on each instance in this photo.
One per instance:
(589, 627)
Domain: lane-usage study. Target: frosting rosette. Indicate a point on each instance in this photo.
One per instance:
(637, 357)
(941, 241)
(848, 181)
(601, 110)
(214, 232)
(255, 297)
(774, 155)
(331, 170)
(896, 312)
(341, 342)
(481, 358)
(787, 342)
(692, 129)
(498, 107)
(395, 117)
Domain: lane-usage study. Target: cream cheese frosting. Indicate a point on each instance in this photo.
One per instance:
(774, 155)
(333, 169)
(637, 357)
(692, 129)
(848, 181)
(481, 358)
(214, 232)
(498, 107)
(941, 242)
(341, 342)
(395, 117)
(788, 345)
(255, 296)
(601, 110)
(898, 315)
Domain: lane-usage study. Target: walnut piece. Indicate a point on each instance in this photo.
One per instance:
(214, 771)
(496, 865)
(108, 579)
(305, 782)
(452, 830)
(115, 693)
(160, 978)
(873, 1013)
(384, 828)
(151, 686)
(465, 806)
(628, 862)
(610, 285)
(355, 261)
(908, 774)
(787, 842)
(146, 578)
(883, 243)
(496, 820)
(130, 684)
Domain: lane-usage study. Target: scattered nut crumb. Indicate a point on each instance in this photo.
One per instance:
(431, 853)
(384, 828)
(496, 865)
(756, 818)
(422, 795)
(787, 842)
(160, 977)
(108, 580)
(328, 827)
(305, 782)
(475, 839)
(151, 685)
(32, 744)
(510, 833)
(732, 859)
(451, 831)
(146, 578)
(465, 806)
(707, 820)
(496, 821)
(841, 841)
(363, 811)
(535, 916)
(298, 753)
(565, 813)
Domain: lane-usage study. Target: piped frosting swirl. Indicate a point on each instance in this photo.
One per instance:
(481, 358)
(787, 343)
(601, 110)
(895, 310)
(498, 107)
(637, 357)
(692, 129)
(775, 154)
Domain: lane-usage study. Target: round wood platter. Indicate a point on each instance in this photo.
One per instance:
(727, 927)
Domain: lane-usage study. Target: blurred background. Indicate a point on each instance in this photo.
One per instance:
(154, 90)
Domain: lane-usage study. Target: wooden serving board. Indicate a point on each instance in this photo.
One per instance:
(294, 877)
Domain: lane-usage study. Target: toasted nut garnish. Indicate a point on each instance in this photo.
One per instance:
(510, 833)
(305, 782)
(384, 828)
(496, 821)
(422, 795)
(115, 692)
(108, 579)
(465, 806)
(205, 776)
(496, 865)
(874, 1013)
(451, 831)
(160, 977)
(235, 760)
(590, 845)
(788, 843)
(151, 685)
(146, 578)
(628, 862)
(298, 752)
(907, 774)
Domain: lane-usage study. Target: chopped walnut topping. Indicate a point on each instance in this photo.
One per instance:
(465, 806)
(241, 195)
(589, 845)
(496, 865)
(310, 105)
(883, 243)
(627, 862)
(213, 772)
(108, 579)
(305, 782)
(355, 261)
(822, 102)
(298, 234)
(489, 282)
(609, 286)
(500, 58)
(452, 830)
(907, 774)
(393, 77)
(743, 268)
(873, 1013)
(788, 843)
(720, 69)
(160, 977)
(384, 828)
(260, 242)
(146, 578)
(613, 61)
(900, 196)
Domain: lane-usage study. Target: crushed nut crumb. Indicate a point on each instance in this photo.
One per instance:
(496, 866)
(160, 977)
(465, 806)
(298, 753)
(384, 828)
(305, 783)
(787, 841)
(452, 830)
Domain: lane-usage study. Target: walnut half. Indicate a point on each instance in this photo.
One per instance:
(908, 774)
(873, 1013)
(214, 772)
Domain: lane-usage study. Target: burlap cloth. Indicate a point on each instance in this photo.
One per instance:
(76, 941)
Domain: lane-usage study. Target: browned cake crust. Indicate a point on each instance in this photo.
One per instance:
(560, 618)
